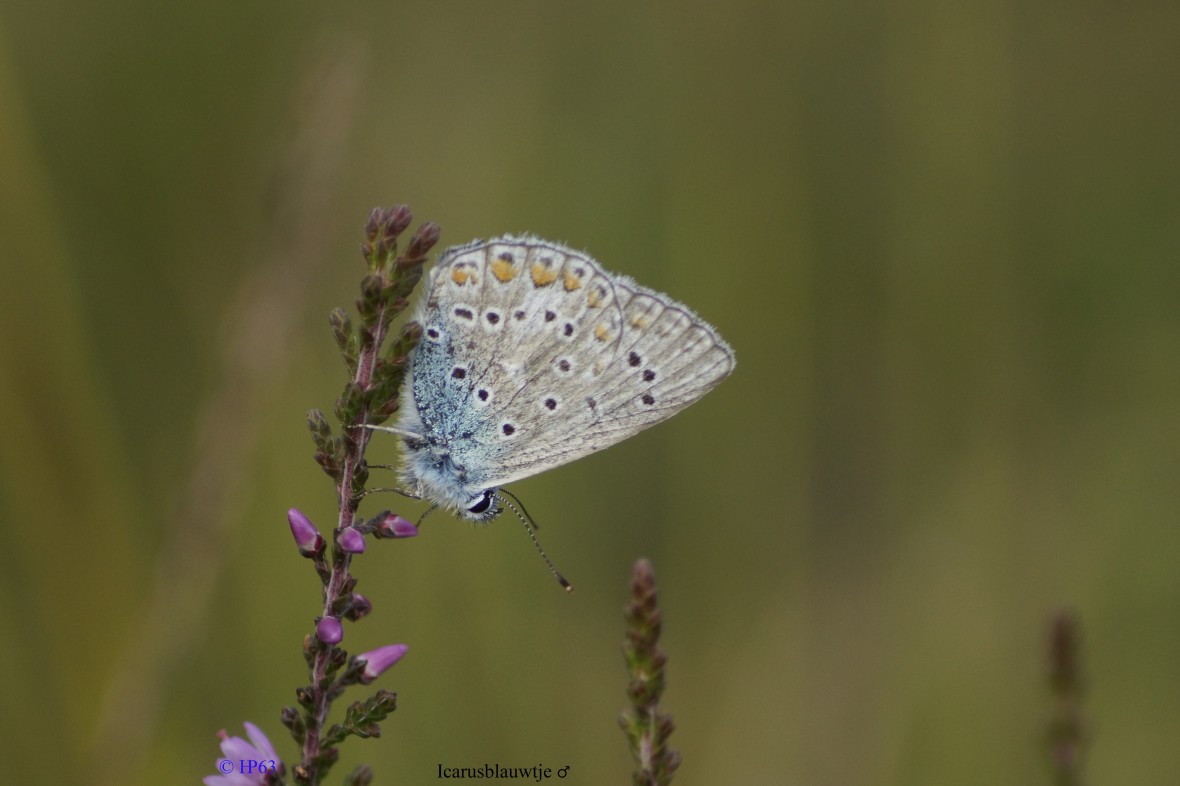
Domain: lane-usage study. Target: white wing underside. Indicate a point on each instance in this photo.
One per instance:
(533, 356)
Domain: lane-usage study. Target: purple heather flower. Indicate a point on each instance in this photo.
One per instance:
(351, 541)
(307, 537)
(244, 763)
(329, 630)
(380, 659)
(394, 526)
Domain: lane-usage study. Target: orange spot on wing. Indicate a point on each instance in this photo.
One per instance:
(459, 275)
(503, 270)
(601, 333)
(543, 276)
(571, 282)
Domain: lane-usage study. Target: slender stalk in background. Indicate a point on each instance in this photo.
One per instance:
(261, 323)
(1066, 733)
(647, 728)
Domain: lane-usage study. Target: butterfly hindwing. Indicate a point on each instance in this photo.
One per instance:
(665, 359)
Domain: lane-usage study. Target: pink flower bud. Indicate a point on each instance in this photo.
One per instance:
(380, 659)
(329, 630)
(394, 526)
(351, 541)
(307, 537)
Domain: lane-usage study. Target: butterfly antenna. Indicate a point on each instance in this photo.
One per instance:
(528, 526)
(520, 505)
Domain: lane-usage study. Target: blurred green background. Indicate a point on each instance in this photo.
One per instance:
(941, 237)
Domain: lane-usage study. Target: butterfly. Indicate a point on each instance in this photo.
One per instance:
(532, 355)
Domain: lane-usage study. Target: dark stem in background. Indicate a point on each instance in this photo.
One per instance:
(256, 359)
(1066, 733)
(647, 728)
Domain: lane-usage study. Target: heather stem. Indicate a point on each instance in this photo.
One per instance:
(349, 503)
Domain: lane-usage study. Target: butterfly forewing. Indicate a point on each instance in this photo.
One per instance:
(533, 356)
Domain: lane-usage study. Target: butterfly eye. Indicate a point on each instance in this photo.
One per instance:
(481, 503)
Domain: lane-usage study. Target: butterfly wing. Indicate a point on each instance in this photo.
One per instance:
(534, 356)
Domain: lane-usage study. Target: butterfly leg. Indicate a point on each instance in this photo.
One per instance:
(391, 430)
(403, 492)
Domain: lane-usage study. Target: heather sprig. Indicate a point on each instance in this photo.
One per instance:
(370, 397)
(647, 728)
(376, 359)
